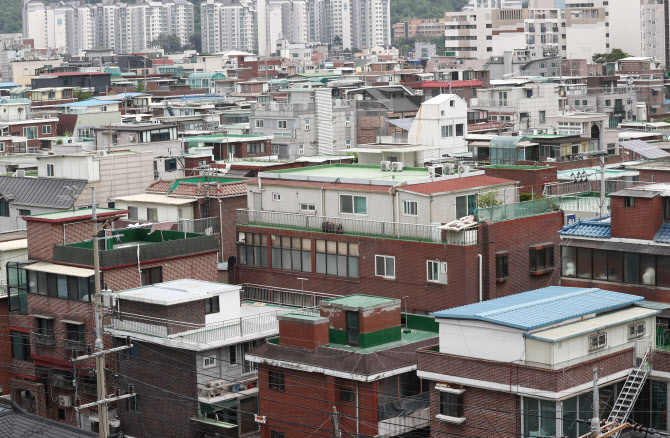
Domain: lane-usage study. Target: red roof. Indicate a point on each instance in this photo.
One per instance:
(454, 184)
(77, 73)
(452, 84)
(160, 187)
(162, 61)
(190, 189)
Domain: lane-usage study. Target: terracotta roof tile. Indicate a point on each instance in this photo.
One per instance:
(160, 187)
(451, 185)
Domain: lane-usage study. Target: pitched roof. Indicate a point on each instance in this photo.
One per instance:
(160, 187)
(15, 423)
(41, 192)
(541, 307)
(594, 227)
(663, 235)
(454, 184)
(190, 189)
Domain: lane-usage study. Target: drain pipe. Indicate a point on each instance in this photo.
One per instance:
(481, 293)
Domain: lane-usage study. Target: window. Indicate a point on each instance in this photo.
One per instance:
(170, 164)
(23, 212)
(502, 267)
(301, 149)
(152, 214)
(539, 417)
(451, 404)
(204, 210)
(132, 213)
(666, 204)
(152, 275)
(347, 122)
(276, 196)
(608, 102)
(636, 330)
(346, 392)
(466, 205)
(20, 345)
(50, 170)
(4, 208)
(59, 286)
(543, 116)
(307, 125)
(133, 404)
(247, 365)
(410, 208)
(291, 253)
(45, 326)
(336, 258)
(459, 130)
(275, 434)
(629, 201)
(255, 148)
(259, 123)
(30, 132)
(433, 271)
(212, 305)
(252, 249)
(232, 354)
(208, 362)
(597, 341)
(353, 204)
(307, 207)
(541, 259)
(447, 131)
(281, 124)
(276, 381)
(385, 266)
(75, 332)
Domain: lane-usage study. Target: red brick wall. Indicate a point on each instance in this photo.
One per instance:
(530, 181)
(228, 232)
(639, 222)
(190, 313)
(42, 236)
(380, 319)
(5, 347)
(303, 335)
(655, 175)
(310, 397)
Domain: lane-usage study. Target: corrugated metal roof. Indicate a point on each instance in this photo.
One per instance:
(404, 124)
(633, 193)
(663, 235)
(595, 227)
(16, 422)
(41, 192)
(618, 246)
(541, 307)
(644, 149)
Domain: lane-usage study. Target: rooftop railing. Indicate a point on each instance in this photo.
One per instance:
(282, 296)
(517, 210)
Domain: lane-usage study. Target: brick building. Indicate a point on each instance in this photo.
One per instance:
(523, 365)
(626, 251)
(355, 357)
(51, 317)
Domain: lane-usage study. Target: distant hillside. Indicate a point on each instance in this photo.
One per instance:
(405, 9)
(10, 18)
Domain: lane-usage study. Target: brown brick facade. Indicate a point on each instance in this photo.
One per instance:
(640, 221)
(530, 180)
(303, 335)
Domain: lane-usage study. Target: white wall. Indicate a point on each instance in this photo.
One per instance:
(481, 340)
(165, 212)
(229, 303)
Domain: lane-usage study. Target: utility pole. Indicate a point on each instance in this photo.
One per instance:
(595, 421)
(336, 423)
(99, 347)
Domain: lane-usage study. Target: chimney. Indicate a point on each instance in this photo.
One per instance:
(303, 331)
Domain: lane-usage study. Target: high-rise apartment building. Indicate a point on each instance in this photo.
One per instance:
(72, 26)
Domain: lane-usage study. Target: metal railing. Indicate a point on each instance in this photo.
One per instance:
(516, 210)
(43, 339)
(283, 297)
(485, 102)
(181, 331)
(361, 227)
(71, 345)
(555, 189)
(207, 226)
(582, 203)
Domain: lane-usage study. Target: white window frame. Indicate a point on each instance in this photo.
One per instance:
(347, 144)
(410, 207)
(449, 131)
(208, 362)
(282, 122)
(384, 274)
(353, 204)
(2, 146)
(307, 125)
(307, 207)
(433, 267)
(637, 330)
(301, 149)
(347, 122)
(260, 123)
(46, 131)
(600, 341)
(51, 169)
(276, 196)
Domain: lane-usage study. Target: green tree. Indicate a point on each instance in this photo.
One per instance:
(80, 95)
(488, 199)
(406, 44)
(407, 9)
(613, 56)
(168, 42)
(196, 41)
(140, 87)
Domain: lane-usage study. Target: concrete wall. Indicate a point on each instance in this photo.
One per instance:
(481, 340)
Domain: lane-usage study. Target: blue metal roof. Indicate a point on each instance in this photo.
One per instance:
(541, 307)
(8, 84)
(87, 103)
(594, 227)
(663, 235)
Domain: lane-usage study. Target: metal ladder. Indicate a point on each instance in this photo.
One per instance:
(630, 391)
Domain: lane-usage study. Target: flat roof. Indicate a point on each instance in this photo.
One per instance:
(11, 245)
(53, 268)
(345, 172)
(81, 213)
(155, 198)
(176, 292)
(362, 301)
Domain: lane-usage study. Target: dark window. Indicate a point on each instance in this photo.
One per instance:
(45, 326)
(584, 262)
(353, 327)
(451, 405)
(629, 201)
(275, 434)
(614, 266)
(4, 208)
(204, 210)
(459, 130)
(171, 165)
(663, 271)
(502, 266)
(212, 305)
(252, 249)
(232, 354)
(631, 268)
(61, 414)
(133, 404)
(75, 332)
(599, 264)
(17, 287)
(466, 205)
(20, 345)
(24, 212)
(336, 258)
(276, 381)
(152, 275)
(541, 259)
(346, 392)
(666, 203)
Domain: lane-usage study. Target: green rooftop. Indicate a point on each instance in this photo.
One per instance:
(303, 316)
(354, 171)
(407, 336)
(81, 212)
(203, 179)
(359, 300)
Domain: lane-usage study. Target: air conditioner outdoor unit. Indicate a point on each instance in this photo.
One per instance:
(386, 166)
(397, 166)
(20, 173)
(449, 168)
(64, 401)
(435, 171)
(463, 169)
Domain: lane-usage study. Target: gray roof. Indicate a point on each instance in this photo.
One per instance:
(15, 423)
(41, 192)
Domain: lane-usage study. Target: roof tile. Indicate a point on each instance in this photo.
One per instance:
(594, 227)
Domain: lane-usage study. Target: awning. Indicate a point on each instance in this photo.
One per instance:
(618, 246)
(479, 144)
(43, 316)
(70, 321)
(52, 268)
(404, 124)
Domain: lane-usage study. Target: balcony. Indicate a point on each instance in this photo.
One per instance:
(130, 246)
(357, 227)
(71, 345)
(482, 102)
(43, 339)
(255, 322)
(403, 416)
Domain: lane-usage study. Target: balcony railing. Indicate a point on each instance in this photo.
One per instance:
(570, 188)
(43, 339)
(495, 103)
(517, 210)
(71, 345)
(359, 227)
(283, 297)
(180, 331)
(207, 226)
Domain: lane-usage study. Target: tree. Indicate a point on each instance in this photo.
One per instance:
(613, 56)
(140, 87)
(196, 41)
(488, 199)
(168, 42)
(337, 41)
(80, 95)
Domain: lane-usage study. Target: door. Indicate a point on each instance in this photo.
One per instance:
(352, 328)
(257, 201)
